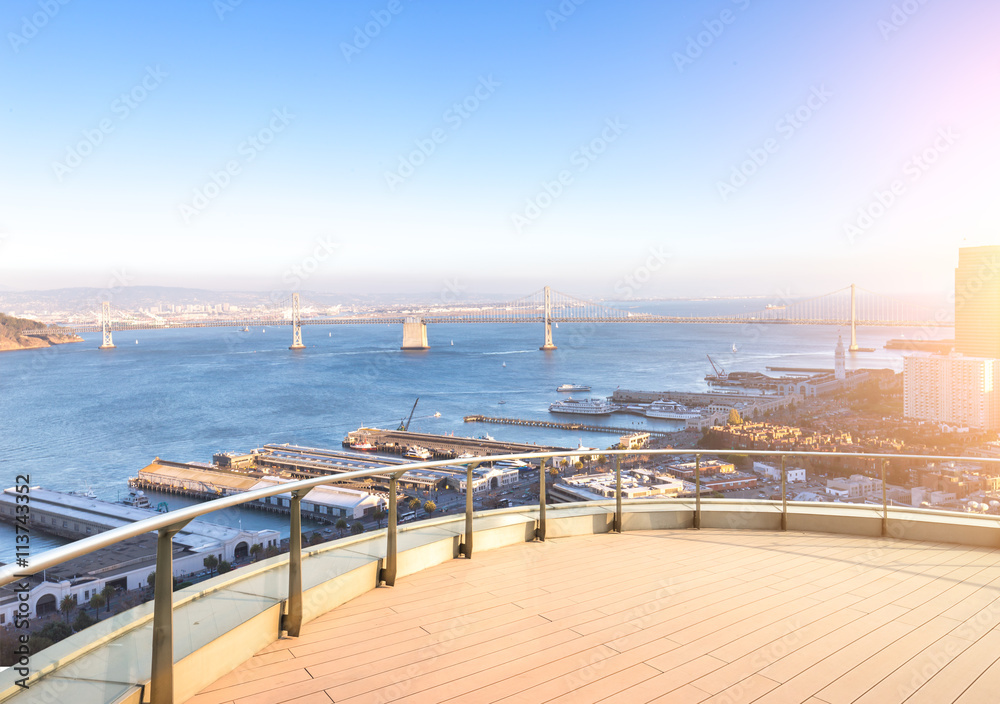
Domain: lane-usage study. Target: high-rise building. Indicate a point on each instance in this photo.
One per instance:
(952, 389)
(977, 302)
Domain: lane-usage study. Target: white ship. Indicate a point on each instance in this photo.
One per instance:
(670, 410)
(573, 387)
(587, 407)
(136, 499)
(418, 453)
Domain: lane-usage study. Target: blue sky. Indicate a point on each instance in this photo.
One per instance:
(606, 141)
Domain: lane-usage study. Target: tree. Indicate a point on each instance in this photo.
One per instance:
(271, 551)
(430, 507)
(341, 526)
(255, 551)
(224, 567)
(357, 528)
(96, 602)
(107, 593)
(378, 514)
(151, 580)
(67, 605)
(210, 562)
(578, 466)
(83, 620)
(734, 417)
(414, 503)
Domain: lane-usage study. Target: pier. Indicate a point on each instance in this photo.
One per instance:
(441, 447)
(565, 426)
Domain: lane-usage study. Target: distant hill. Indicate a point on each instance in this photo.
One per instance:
(12, 337)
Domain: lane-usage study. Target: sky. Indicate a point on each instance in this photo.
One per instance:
(632, 149)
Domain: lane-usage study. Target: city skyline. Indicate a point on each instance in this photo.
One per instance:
(399, 146)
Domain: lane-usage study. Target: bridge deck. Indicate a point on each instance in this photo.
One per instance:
(668, 616)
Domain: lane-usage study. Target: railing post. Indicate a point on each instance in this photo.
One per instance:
(540, 530)
(466, 546)
(618, 494)
(388, 573)
(697, 492)
(161, 681)
(292, 621)
(885, 504)
(784, 497)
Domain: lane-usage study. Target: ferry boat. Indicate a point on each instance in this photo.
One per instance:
(573, 387)
(136, 499)
(418, 453)
(669, 410)
(362, 444)
(587, 407)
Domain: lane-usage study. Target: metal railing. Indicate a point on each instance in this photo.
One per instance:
(169, 524)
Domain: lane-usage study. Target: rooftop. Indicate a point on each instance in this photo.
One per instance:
(676, 615)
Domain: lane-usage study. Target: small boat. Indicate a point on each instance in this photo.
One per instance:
(557, 324)
(734, 348)
(88, 494)
(487, 436)
(363, 444)
(437, 414)
(504, 364)
(246, 329)
(453, 343)
(262, 330)
(418, 453)
(330, 334)
(136, 499)
(137, 342)
(501, 401)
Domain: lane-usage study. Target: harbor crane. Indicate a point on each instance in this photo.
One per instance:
(406, 426)
(720, 373)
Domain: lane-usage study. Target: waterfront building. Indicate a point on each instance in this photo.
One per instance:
(488, 478)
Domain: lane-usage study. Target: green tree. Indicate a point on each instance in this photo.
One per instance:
(734, 417)
(255, 551)
(357, 528)
(224, 567)
(271, 551)
(67, 605)
(429, 508)
(378, 514)
(107, 593)
(414, 503)
(151, 580)
(96, 602)
(210, 562)
(83, 620)
(341, 526)
(578, 466)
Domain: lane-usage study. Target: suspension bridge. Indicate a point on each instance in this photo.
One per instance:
(850, 306)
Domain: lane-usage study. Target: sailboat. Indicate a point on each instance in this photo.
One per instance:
(504, 364)
(734, 348)
(453, 343)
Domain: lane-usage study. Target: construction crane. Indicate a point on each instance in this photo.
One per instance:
(720, 373)
(406, 425)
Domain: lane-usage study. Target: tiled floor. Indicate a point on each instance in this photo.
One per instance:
(660, 616)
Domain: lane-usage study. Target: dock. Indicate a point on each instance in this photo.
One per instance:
(566, 426)
(443, 447)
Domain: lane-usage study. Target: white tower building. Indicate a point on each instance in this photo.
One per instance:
(839, 368)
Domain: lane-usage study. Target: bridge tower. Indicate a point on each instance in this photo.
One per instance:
(296, 324)
(107, 343)
(854, 322)
(548, 321)
(414, 334)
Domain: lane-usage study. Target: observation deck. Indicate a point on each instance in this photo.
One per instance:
(679, 600)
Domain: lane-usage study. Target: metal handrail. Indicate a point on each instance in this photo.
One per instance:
(167, 525)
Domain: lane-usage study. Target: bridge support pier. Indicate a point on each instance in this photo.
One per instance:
(548, 344)
(296, 324)
(106, 342)
(414, 335)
